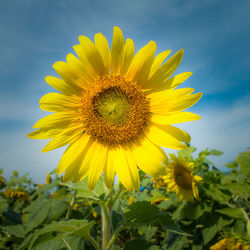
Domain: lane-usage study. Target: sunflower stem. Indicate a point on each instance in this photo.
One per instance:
(106, 222)
(106, 211)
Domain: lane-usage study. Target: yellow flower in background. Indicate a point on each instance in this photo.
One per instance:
(48, 178)
(159, 200)
(230, 244)
(16, 194)
(180, 179)
(114, 110)
(159, 181)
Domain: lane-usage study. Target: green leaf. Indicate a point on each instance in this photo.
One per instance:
(43, 210)
(244, 160)
(141, 212)
(178, 243)
(16, 230)
(213, 224)
(216, 194)
(231, 165)
(82, 190)
(215, 152)
(242, 190)
(3, 204)
(148, 231)
(138, 244)
(168, 223)
(232, 212)
(80, 228)
(190, 210)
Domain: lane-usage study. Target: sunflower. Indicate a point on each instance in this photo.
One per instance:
(230, 244)
(114, 110)
(180, 179)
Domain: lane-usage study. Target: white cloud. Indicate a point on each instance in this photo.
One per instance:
(223, 128)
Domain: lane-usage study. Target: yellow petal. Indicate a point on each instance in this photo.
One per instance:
(68, 136)
(99, 160)
(158, 60)
(109, 170)
(103, 48)
(59, 102)
(150, 158)
(177, 133)
(83, 73)
(61, 85)
(126, 169)
(92, 55)
(172, 82)
(174, 118)
(195, 191)
(161, 138)
(141, 63)
(116, 49)
(127, 56)
(157, 98)
(73, 156)
(87, 157)
(174, 103)
(46, 133)
(59, 118)
(197, 178)
(166, 70)
(70, 75)
(84, 60)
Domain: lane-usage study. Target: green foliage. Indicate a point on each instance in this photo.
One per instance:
(63, 215)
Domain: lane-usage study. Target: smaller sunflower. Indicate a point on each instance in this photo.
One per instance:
(230, 244)
(159, 181)
(181, 180)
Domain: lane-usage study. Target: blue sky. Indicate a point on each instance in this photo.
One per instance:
(214, 34)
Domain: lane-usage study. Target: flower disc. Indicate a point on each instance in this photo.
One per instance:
(115, 111)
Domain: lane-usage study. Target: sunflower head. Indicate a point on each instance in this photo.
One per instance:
(180, 178)
(230, 244)
(115, 110)
(16, 194)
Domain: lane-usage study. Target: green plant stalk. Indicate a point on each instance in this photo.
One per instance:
(106, 212)
(106, 223)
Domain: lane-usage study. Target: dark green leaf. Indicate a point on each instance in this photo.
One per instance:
(216, 194)
(244, 160)
(168, 223)
(190, 210)
(242, 190)
(138, 244)
(63, 229)
(16, 230)
(141, 212)
(213, 224)
(178, 243)
(43, 210)
(232, 212)
(3, 204)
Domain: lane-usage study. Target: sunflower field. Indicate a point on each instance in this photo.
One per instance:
(66, 215)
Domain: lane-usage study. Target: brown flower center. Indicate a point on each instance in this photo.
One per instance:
(115, 111)
(183, 177)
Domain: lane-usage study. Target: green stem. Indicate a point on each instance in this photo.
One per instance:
(106, 222)
(67, 245)
(93, 242)
(115, 235)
